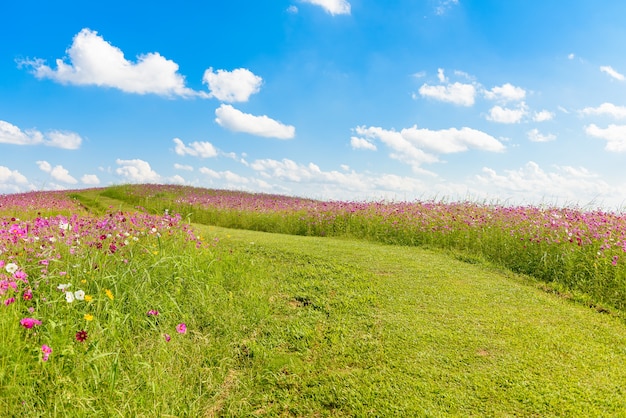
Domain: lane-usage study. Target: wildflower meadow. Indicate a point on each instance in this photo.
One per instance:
(135, 300)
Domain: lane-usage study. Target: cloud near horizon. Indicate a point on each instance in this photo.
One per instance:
(94, 61)
(137, 171)
(235, 120)
(58, 172)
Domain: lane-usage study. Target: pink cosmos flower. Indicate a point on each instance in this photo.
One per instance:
(167, 337)
(29, 322)
(153, 312)
(28, 294)
(47, 350)
(181, 328)
(9, 301)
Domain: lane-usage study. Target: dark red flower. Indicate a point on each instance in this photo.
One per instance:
(81, 336)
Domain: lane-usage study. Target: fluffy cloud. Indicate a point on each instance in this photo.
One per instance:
(234, 86)
(90, 179)
(11, 134)
(224, 175)
(535, 136)
(609, 109)
(94, 61)
(293, 172)
(360, 143)
(334, 7)
(196, 149)
(615, 135)
(611, 72)
(137, 171)
(66, 140)
(58, 172)
(237, 121)
(183, 167)
(506, 93)
(457, 93)
(408, 145)
(531, 183)
(444, 5)
(506, 115)
(543, 116)
(11, 180)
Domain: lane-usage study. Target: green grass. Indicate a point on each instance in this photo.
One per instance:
(282, 325)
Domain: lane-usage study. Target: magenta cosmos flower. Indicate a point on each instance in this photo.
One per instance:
(47, 350)
(29, 322)
(181, 328)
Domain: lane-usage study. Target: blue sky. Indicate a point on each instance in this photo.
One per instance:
(501, 101)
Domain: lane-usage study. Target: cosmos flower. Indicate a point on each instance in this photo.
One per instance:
(81, 336)
(29, 322)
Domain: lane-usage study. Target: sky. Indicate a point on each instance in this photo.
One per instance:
(510, 102)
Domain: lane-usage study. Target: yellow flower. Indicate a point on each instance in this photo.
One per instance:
(109, 293)
(83, 281)
(88, 298)
(88, 317)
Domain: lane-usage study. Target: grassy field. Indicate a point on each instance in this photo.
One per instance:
(283, 325)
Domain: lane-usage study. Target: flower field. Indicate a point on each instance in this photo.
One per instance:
(570, 249)
(64, 285)
(112, 311)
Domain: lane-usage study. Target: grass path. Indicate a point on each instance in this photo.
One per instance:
(418, 333)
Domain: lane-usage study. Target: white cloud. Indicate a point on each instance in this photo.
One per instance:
(611, 72)
(11, 134)
(506, 115)
(291, 171)
(334, 7)
(617, 112)
(195, 149)
(532, 184)
(615, 135)
(94, 61)
(44, 166)
(183, 167)
(65, 140)
(58, 172)
(444, 6)
(543, 116)
(457, 93)
(237, 121)
(408, 145)
(224, 175)
(360, 143)
(234, 86)
(136, 171)
(11, 179)
(441, 75)
(535, 136)
(292, 9)
(90, 179)
(506, 93)
(177, 179)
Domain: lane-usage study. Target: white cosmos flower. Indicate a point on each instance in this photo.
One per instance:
(79, 295)
(11, 268)
(69, 297)
(64, 286)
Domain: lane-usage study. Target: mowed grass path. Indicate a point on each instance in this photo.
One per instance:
(355, 328)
